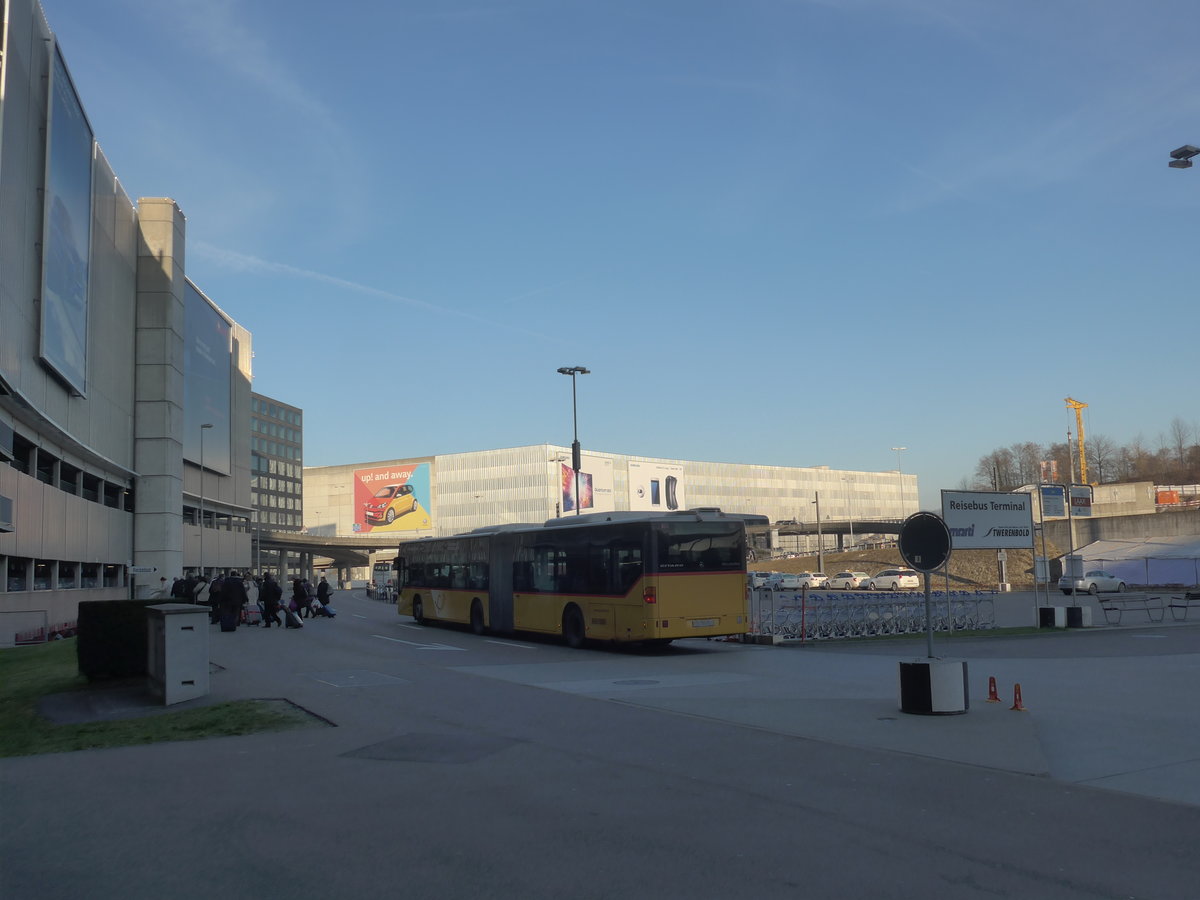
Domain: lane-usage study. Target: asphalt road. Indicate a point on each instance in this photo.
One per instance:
(473, 767)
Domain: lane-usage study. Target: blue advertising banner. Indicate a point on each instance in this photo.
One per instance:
(67, 232)
(207, 365)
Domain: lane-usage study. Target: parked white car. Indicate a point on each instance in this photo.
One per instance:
(757, 579)
(1097, 581)
(784, 581)
(894, 580)
(814, 579)
(848, 581)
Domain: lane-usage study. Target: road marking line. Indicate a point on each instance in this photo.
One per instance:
(418, 646)
(511, 644)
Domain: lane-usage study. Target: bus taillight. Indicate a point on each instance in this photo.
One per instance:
(650, 595)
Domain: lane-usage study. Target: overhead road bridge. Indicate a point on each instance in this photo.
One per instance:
(343, 552)
(841, 528)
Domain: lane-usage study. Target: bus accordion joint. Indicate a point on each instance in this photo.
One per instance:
(650, 595)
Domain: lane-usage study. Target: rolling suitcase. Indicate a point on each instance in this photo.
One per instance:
(229, 622)
(292, 620)
(252, 615)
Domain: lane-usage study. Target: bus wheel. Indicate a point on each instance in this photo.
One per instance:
(477, 618)
(418, 611)
(572, 627)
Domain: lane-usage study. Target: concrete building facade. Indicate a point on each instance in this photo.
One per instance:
(110, 463)
(435, 496)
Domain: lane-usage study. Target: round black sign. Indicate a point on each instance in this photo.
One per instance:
(925, 541)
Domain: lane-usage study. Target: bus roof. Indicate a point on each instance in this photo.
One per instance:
(700, 514)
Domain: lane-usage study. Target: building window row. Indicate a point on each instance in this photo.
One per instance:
(274, 448)
(216, 520)
(264, 407)
(283, 485)
(275, 501)
(47, 468)
(268, 517)
(275, 467)
(28, 574)
(276, 431)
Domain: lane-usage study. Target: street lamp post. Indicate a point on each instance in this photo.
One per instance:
(576, 456)
(849, 506)
(820, 536)
(900, 473)
(203, 428)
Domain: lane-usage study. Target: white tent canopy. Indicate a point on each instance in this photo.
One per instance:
(1157, 560)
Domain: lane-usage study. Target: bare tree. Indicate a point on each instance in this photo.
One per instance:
(1102, 453)
(1181, 439)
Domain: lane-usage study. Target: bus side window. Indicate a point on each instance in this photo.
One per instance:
(523, 576)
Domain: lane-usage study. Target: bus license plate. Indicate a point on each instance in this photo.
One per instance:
(703, 623)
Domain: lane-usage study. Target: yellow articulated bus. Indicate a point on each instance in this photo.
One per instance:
(620, 576)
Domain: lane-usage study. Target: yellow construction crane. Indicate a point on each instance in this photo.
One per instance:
(1079, 407)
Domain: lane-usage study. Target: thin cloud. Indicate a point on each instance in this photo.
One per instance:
(243, 262)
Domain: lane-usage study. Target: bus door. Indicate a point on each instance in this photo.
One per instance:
(500, 582)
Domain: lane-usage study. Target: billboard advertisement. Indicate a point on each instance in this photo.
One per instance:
(595, 485)
(66, 231)
(207, 366)
(980, 520)
(392, 499)
(656, 487)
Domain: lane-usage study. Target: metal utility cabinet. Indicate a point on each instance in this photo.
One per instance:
(177, 651)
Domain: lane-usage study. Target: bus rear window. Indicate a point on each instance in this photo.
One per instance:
(700, 547)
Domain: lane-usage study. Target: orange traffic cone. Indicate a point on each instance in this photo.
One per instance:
(993, 696)
(1017, 699)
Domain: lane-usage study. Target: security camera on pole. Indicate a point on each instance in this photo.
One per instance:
(930, 686)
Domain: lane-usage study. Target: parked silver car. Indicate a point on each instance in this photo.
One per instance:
(848, 581)
(1097, 581)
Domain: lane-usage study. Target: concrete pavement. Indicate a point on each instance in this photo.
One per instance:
(1108, 708)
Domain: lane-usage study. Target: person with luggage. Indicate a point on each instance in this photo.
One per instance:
(230, 601)
(299, 604)
(323, 591)
(271, 596)
(311, 594)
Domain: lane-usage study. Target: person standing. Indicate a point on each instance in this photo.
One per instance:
(232, 599)
(323, 591)
(270, 595)
(201, 593)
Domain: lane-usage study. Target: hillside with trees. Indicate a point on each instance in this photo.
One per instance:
(1173, 458)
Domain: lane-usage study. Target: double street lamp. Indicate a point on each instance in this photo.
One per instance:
(1182, 157)
(576, 456)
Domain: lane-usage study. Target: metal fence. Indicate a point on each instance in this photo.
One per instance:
(828, 615)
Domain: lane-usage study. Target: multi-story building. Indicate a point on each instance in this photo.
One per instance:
(124, 390)
(433, 496)
(276, 474)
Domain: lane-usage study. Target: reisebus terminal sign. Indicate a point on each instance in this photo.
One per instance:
(981, 520)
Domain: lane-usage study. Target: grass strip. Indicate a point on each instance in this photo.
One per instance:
(29, 673)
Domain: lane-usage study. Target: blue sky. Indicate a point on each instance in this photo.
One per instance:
(786, 233)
